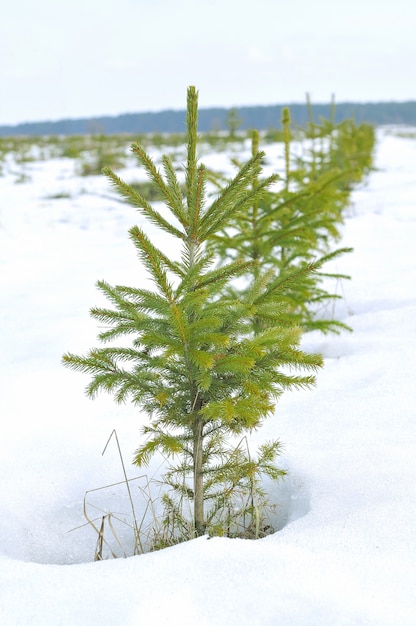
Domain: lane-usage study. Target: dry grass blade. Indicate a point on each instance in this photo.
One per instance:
(137, 542)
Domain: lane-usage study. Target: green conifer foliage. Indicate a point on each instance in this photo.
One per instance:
(287, 232)
(194, 364)
(233, 122)
(291, 229)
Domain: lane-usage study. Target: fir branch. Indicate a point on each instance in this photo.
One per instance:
(232, 270)
(234, 192)
(170, 193)
(198, 204)
(138, 201)
(191, 137)
(175, 191)
(240, 199)
(159, 442)
(286, 280)
(153, 259)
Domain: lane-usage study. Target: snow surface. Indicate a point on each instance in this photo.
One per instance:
(346, 552)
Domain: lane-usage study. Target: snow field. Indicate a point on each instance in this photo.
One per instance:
(346, 553)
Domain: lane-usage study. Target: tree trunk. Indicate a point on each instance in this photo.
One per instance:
(200, 525)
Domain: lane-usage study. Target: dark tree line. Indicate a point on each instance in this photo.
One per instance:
(260, 117)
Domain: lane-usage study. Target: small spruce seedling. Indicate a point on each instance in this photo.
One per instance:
(194, 365)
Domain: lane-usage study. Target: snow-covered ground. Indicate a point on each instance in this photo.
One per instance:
(346, 554)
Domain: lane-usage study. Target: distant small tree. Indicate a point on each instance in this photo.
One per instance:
(233, 123)
(296, 223)
(194, 365)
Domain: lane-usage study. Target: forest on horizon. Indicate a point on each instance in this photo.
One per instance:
(265, 117)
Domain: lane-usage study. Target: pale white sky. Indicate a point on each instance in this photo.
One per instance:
(84, 58)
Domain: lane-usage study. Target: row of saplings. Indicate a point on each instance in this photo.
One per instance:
(216, 342)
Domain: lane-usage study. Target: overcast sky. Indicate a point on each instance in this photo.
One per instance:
(84, 58)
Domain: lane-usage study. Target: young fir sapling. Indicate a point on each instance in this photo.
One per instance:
(294, 225)
(195, 366)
